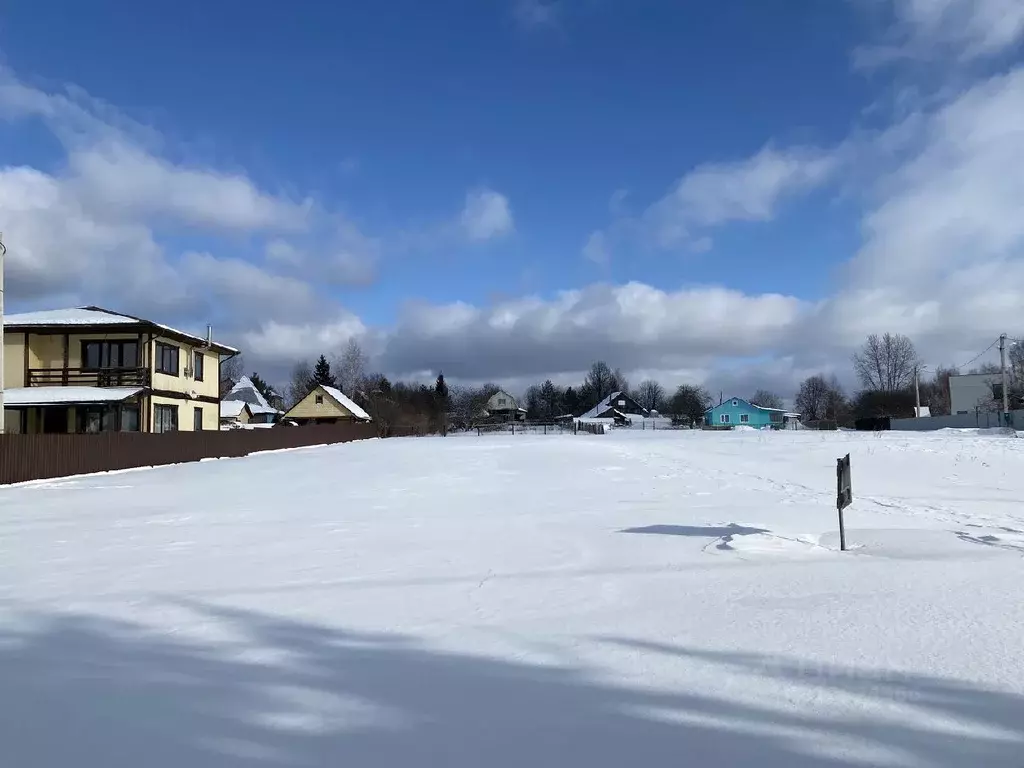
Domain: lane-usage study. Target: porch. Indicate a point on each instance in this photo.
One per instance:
(71, 410)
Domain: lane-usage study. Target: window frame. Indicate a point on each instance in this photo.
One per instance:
(724, 418)
(197, 419)
(744, 418)
(318, 399)
(198, 365)
(106, 349)
(158, 423)
(175, 352)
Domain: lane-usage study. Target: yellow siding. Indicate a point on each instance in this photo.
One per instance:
(208, 387)
(186, 411)
(307, 408)
(46, 351)
(14, 360)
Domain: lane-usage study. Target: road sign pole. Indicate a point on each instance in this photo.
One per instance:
(844, 495)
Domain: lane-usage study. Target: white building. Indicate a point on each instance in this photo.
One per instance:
(973, 391)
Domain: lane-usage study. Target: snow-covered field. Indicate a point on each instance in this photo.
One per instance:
(635, 599)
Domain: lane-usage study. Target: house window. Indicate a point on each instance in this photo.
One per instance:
(735, 403)
(725, 418)
(744, 418)
(197, 366)
(319, 399)
(165, 418)
(622, 402)
(129, 418)
(97, 418)
(110, 354)
(501, 401)
(167, 359)
(197, 419)
(776, 417)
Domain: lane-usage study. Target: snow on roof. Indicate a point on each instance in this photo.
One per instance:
(78, 316)
(601, 407)
(72, 316)
(245, 391)
(354, 409)
(27, 396)
(231, 409)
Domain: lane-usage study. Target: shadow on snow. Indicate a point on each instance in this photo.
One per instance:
(80, 690)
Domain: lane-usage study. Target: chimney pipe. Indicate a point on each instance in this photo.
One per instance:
(209, 335)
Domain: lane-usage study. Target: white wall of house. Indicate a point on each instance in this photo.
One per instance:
(970, 391)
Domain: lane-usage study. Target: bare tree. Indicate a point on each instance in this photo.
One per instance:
(350, 368)
(820, 398)
(621, 382)
(601, 380)
(231, 371)
(767, 399)
(886, 363)
(691, 403)
(300, 383)
(650, 394)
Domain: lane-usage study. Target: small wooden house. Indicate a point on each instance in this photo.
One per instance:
(737, 412)
(503, 407)
(326, 405)
(618, 406)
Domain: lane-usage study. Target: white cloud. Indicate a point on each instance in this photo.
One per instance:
(536, 13)
(119, 175)
(747, 190)
(596, 248)
(486, 215)
(963, 29)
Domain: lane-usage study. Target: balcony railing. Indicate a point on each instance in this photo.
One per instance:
(88, 377)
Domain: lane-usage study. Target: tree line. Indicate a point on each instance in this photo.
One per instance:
(885, 368)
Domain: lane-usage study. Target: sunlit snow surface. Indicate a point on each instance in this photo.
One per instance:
(635, 599)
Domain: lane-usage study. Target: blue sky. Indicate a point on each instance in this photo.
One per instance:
(433, 177)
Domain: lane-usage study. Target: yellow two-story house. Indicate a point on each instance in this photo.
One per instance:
(92, 370)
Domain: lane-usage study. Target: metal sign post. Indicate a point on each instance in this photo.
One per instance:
(844, 495)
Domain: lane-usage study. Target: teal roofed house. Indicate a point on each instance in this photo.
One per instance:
(736, 412)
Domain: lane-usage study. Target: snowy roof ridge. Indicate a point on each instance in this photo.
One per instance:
(344, 401)
(92, 315)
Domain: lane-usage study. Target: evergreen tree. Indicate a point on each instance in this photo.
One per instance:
(322, 373)
(268, 392)
(441, 391)
(570, 402)
(551, 399)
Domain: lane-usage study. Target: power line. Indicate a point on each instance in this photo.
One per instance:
(960, 367)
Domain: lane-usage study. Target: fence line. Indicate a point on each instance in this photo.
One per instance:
(42, 457)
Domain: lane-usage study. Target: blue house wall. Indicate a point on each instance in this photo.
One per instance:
(738, 412)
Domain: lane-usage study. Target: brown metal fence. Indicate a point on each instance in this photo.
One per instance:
(40, 457)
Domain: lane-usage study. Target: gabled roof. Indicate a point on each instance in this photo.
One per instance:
(345, 402)
(88, 316)
(245, 391)
(605, 404)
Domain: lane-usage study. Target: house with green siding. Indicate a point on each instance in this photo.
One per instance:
(736, 412)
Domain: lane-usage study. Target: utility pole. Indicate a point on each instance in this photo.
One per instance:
(917, 390)
(1002, 368)
(3, 251)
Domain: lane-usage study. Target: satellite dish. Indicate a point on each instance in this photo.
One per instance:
(192, 394)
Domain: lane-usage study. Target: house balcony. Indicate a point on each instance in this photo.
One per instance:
(88, 377)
